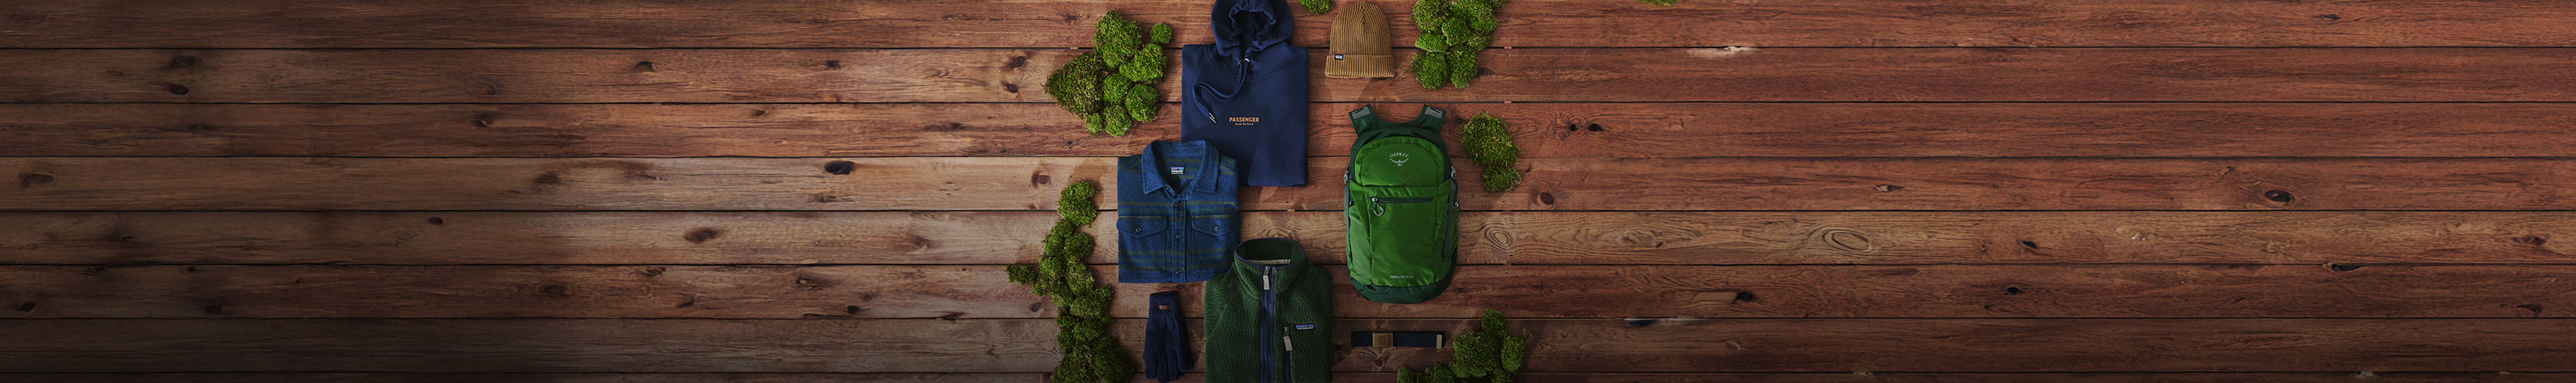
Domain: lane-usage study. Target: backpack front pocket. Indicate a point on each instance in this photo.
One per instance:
(1403, 236)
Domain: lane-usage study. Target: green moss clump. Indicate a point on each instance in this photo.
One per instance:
(1462, 67)
(1490, 353)
(1082, 302)
(1431, 68)
(1317, 6)
(1437, 373)
(1452, 33)
(1072, 85)
(1097, 86)
(1079, 213)
(1489, 143)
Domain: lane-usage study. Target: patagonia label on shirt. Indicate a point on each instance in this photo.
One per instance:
(1176, 170)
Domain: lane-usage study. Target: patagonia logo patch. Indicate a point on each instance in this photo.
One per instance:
(1306, 327)
(1176, 170)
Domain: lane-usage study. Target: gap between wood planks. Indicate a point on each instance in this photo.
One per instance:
(983, 75)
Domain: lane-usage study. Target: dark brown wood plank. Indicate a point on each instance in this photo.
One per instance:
(1679, 238)
(894, 23)
(603, 377)
(1358, 377)
(1017, 75)
(1015, 183)
(1542, 130)
(1019, 345)
(528, 238)
(954, 292)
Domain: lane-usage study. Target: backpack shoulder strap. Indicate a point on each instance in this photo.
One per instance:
(1364, 121)
(1360, 117)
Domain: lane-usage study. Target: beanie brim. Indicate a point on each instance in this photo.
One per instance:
(1360, 66)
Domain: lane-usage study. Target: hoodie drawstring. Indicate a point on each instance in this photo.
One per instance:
(1242, 78)
(1251, 41)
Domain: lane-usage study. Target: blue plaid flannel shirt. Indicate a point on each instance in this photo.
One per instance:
(1176, 213)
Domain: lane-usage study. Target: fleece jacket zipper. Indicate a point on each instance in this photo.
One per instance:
(1269, 311)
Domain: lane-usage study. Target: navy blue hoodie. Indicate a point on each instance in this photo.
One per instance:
(1246, 94)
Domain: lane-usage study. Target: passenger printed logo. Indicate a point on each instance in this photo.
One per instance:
(1399, 158)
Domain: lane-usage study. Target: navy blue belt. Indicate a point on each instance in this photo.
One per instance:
(1382, 339)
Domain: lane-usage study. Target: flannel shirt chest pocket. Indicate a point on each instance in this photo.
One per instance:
(1142, 230)
(1213, 223)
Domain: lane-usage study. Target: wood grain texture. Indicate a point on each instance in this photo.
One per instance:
(1614, 238)
(1012, 183)
(602, 377)
(1018, 345)
(1352, 377)
(895, 23)
(1018, 75)
(1553, 291)
(1624, 130)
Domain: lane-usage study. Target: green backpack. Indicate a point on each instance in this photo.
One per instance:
(1401, 199)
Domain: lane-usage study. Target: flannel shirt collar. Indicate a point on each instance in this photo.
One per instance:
(1157, 178)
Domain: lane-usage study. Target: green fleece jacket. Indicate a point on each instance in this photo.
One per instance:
(1286, 342)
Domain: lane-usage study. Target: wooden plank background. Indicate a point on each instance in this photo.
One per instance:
(800, 191)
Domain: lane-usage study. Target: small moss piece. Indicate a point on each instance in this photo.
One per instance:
(1147, 66)
(1462, 68)
(1431, 69)
(1143, 103)
(1317, 6)
(1490, 353)
(1489, 144)
(1075, 205)
(1440, 373)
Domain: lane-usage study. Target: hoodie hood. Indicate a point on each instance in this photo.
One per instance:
(1245, 93)
(1244, 26)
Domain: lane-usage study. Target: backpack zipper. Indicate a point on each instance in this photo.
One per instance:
(1380, 210)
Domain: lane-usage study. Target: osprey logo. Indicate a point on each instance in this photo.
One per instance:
(1399, 158)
